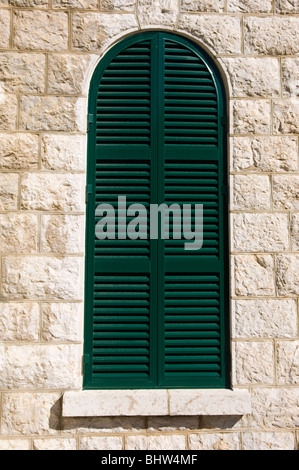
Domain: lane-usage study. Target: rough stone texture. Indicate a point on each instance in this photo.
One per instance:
(250, 371)
(290, 76)
(251, 116)
(288, 362)
(4, 28)
(157, 12)
(62, 234)
(260, 232)
(29, 3)
(251, 192)
(295, 231)
(86, 4)
(40, 30)
(160, 442)
(22, 72)
(63, 152)
(101, 443)
(18, 151)
(278, 153)
(8, 191)
(38, 277)
(221, 34)
(286, 116)
(18, 233)
(61, 321)
(203, 5)
(268, 441)
(249, 6)
(14, 444)
(118, 5)
(254, 275)
(54, 444)
(287, 6)
(19, 321)
(271, 35)
(50, 191)
(52, 113)
(286, 192)
(253, 76)
(268, 318)
(288, 274)
(8, 112)
(275, 408)
(215, 441)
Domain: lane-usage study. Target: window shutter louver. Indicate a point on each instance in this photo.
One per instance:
(156, 313)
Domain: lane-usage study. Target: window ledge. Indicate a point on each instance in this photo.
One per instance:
(172, 402)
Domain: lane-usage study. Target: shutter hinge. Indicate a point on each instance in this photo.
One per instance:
(88, 190)
(90, 120)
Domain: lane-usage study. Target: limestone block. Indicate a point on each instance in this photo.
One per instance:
(63, 152)
(290, 76)
(287, 6)
(18, 151)
(159, 442)
(253, 76)
(40, 30)
(203, 5)
(249, 6)
(40, 366)
(286, 191)
(288, 274)
(268, 441)
(251, 192)
(8, 112)
(53, 113)
(172, 423)
(118, 5)
(22, 72)
(29, 3)
(92, 30)
(4, 28)
(251, 116)
(62, 321)
(54, 444)
(30, 413)
(264, 153)
(272, 35)
(34, 277)
(275, 407)
(62, 234)
(104, 425)
(295, 231)
(19, 321)
(286, 116)
(268, 318)
(254, 232)
(9, 183)
(288, 362)
(101, 443)
(249, 368)
(18, 233)
(14, 444)
(86, 4)
(158, 12)
(254, 275)
(215, 441)
(49, 191)
(220, 33)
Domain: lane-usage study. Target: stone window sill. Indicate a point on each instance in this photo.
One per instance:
(172, 402)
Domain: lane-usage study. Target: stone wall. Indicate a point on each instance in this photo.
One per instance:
(48, 50)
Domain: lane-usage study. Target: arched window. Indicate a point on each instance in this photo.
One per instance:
(156, 313)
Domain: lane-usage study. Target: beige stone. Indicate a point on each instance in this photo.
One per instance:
(14, 444)
(288, 362)
(253, 76)
(8, 112)
(264, 153)
(172, 423)
(203, 5)
(18, 151)
(30, 413)
(159, 442)
(22, 72)
(18, 233)
(287, 6)
(19, 321)
(118, 5)
(92, 30)
(63, 152)
(4, 28)
(101, 443)
(286, 192)
(67, 72)
(62, 234)
(290, 76)
(286, 116)
(249, 368)
(249, 6)
(158, 12)
(104, 425)
(221, 34)
(215, 441)
(254, 275)
(275, 408)
(288, 274)
(41, 277)
(52, 113)
(254, 232)
(268, 441)
(86, 4)
(40, 30)
(62, 321)
(251, 116)
(52, 192)
(54, 444)
(268, 318)
(29, 3)
(40, 366)
(9, 190)
(295, 231)
(251, 192)
(271, 35)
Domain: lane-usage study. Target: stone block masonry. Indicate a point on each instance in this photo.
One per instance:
(48, 51)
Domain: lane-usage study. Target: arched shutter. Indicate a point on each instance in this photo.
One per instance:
(156, 313)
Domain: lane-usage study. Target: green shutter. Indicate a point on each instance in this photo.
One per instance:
(156, 314)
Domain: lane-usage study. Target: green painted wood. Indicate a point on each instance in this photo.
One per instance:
(156, 315)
